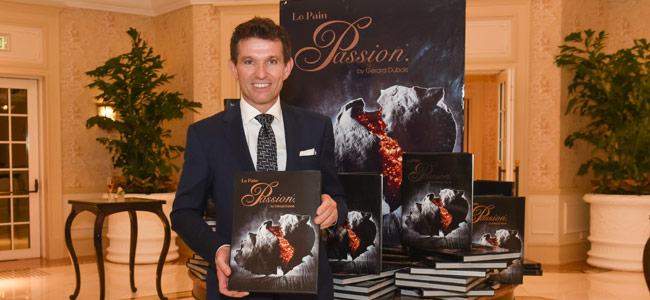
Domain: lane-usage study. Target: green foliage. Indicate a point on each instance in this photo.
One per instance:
(129, 83)
(613, 92)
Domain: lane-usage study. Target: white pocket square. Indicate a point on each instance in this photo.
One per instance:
(308, 152)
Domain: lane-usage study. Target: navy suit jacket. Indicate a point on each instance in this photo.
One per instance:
(217, 149)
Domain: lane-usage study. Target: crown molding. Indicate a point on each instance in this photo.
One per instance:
(139, 7)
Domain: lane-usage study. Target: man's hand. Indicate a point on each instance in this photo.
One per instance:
(223, 272)
(326, 213)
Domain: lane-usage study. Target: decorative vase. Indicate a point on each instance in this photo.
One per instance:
(619, 229)
(150, 234)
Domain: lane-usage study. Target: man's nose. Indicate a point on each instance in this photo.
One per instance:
(260, 70)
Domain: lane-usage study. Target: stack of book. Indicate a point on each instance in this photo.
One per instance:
(365, 287)
(198, 266)
(532, 268)
(436, 277)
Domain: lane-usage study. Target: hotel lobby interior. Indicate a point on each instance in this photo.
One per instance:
(510, 45)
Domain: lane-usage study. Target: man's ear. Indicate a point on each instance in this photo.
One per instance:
(287, 68)
(233, 68)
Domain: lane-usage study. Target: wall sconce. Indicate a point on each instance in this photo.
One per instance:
(105, 110)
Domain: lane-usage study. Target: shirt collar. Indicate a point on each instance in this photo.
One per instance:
(248, 112)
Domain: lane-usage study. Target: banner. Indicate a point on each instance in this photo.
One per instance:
(390, 75)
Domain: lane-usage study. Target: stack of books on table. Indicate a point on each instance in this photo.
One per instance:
(453, 274)
(365, 287)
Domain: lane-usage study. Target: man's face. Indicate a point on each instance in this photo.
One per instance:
(260, 71)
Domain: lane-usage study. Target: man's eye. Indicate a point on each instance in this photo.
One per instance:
(248, 62)
(273, 61)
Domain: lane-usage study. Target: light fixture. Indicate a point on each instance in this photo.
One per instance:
(105, 110)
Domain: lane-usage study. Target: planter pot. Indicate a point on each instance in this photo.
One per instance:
(619, 229)
(150, 234)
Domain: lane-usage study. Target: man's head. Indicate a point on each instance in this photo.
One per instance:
(260, 61)
(261, 28)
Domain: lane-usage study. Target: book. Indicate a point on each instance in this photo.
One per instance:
(449, 272)
(499, 223)
(491, 187)
(365, 287)
(197, 274)
(406, 294)
(436, 197)
(355, 248)
(480, 290)
(531, 264)
(478, 253)
(278, 242)
(532, 272)
(350, 279)
(196, 268)
(199, 262)
(439, 263)
(384, 293)
(430, 278)
(439, 286)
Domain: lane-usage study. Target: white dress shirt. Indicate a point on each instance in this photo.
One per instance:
(252, 129)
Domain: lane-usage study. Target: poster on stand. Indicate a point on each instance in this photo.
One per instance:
(389, 74)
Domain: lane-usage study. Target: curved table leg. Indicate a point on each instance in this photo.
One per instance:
(163, 253)
(73, 255)
(133, 242)
(99, 223)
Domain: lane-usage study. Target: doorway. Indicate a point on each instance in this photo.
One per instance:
(489, 131)
(19, 169)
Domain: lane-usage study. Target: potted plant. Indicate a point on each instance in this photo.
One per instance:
(612, 91)
(131, 83)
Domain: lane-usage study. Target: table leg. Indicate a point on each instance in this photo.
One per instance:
(73, 255)
(99, 223)
(163, 253)
(133, 242)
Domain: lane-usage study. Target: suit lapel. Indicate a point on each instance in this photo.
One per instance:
(291, 133)
(237, 139)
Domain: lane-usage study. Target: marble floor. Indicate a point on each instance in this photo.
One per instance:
(40, 279)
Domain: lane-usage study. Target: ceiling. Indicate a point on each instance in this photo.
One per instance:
(139, 7)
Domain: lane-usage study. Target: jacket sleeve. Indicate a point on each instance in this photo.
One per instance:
(191, 198)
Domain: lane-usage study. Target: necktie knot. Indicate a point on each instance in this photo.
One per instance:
(264, 119)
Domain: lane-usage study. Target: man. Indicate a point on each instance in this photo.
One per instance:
(228, 142)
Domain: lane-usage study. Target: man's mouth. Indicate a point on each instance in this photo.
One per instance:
(261, 85)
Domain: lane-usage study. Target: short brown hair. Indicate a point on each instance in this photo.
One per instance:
(262, 28)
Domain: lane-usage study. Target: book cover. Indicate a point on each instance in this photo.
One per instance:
(499, 222)
(387, 85)
(274, 240)
(437, 200)
(478, 253)
(355, 248)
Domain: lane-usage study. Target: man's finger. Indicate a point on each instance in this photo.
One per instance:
(223, 271)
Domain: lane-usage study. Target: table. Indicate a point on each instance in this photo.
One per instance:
(101, 208)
